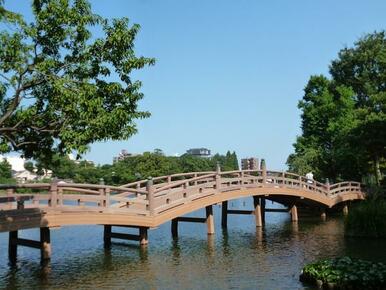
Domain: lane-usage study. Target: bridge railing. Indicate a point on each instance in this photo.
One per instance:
(347, 186)
(149, 197)
(86, 196)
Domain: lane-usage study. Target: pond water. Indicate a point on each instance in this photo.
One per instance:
(241, 257)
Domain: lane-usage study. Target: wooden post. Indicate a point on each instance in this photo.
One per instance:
(218, 177)
(143, 236)
(54, 192)
(107, 197)
(264, 171)
(328, 186)
(209, 219)
(12, 246)
(60, 196)
(259, 235)
(107, 236)
(138, 187)
(258, 219)
(45, 241)
(294, 213)
(10, 192)
(224, 214)
(102, 194)
(150, 194)
(345, 209)
(174, 227)
(262, 208)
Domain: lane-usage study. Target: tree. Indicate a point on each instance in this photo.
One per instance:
(344, 118)
(56, 89)
(363, 68)
(5, 170)
(29, 166)
(327, 118)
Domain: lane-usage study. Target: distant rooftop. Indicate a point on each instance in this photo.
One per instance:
(201, 152)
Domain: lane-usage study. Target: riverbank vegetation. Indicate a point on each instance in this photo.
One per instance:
(345, 273)
(344, 117)
(129, 169)
(367, 219)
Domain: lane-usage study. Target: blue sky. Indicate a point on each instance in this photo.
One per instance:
(229, 74)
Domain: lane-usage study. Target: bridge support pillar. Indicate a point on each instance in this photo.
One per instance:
(258, 218)
(107, 236)
(141, 237)
(143, 240)
(323, 215)
(224, 214)
(262, 208)
(294, 213)
(209, 219)
(45, 240)
(174, 227)
(12, 246)
(44, 244)
(345, 209)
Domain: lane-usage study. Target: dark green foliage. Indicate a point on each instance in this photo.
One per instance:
(136, 167)
(346, 273)
(227, 162)
(56, 88)
(29, 166)
(344, 118)
(6, 172)
(367, 219)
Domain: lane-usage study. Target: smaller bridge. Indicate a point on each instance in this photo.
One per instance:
(149, 203)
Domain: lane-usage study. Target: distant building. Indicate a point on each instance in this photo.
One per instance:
(199, 152)
(250, 163)
(24, 176)
(123, 155)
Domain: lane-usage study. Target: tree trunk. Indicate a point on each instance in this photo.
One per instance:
(377, 170)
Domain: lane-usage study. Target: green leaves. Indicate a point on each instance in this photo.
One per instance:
(368, 219)
(135, 167)
(347, 273)
(344, 118)
(55, 93)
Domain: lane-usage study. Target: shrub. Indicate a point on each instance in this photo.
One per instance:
(367, 219)
(346, 273)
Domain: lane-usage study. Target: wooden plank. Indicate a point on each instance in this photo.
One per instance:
(237, 211)
(28, 243)
(122, 236)
(277, 210)
(191, 219)
(16, 198)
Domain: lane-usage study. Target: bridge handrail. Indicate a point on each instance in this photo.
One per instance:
(26, 185)
(135, 183)
(182, 182)
(172, 190)
(101, 186)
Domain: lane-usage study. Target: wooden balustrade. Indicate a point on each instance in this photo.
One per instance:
(159, 194)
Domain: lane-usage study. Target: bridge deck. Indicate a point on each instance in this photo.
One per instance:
(149, 203)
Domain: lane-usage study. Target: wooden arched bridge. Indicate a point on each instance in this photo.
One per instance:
(149, 203)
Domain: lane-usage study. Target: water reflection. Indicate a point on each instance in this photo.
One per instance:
(241, 256)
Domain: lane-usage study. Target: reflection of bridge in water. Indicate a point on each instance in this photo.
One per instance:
(149, 203)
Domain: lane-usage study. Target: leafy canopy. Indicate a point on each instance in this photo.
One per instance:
(344, 118)
(61, 88)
